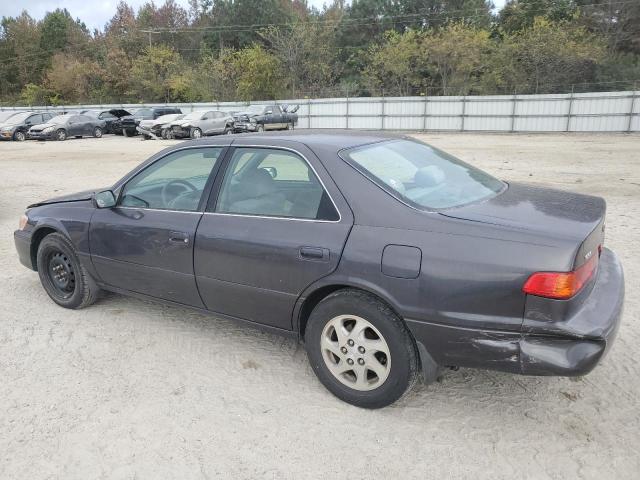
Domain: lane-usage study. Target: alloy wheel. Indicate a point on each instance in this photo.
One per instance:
(20, 136)
(355, 352)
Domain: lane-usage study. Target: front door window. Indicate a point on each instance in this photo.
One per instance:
(176, 182)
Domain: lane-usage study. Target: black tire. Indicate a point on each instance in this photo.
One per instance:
(61, 135)
(228, 130)
(78, 136)
(125, 132)
(97, 132)
(80, 290)
(19, 136)
(404, 362)
(195, 133)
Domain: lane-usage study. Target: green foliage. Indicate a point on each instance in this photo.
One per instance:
(264, 49)
(258, 74)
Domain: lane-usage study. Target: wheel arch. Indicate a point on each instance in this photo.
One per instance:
(314, 295)
(41, 231)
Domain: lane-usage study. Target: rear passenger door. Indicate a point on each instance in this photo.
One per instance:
(277, 224)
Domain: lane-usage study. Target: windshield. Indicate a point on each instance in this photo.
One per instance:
(170, 118)
(19, 118)
(7, 115)
(194, 116)
(59, 119)
(421, 175)
(254, 109)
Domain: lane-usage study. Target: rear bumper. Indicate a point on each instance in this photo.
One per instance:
(22, 240)
(569, 348)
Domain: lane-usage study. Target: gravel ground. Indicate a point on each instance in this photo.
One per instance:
(128, 389)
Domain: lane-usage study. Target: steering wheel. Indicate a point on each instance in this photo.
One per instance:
(166, 200)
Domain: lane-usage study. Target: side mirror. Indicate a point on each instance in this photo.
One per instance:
(273, 171)
(104, 199)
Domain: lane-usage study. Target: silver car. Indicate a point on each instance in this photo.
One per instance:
(203, 123)
(160, 127)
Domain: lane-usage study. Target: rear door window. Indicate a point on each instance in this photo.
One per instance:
(273, 182)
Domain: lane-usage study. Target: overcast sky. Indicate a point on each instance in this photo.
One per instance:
(94, 13)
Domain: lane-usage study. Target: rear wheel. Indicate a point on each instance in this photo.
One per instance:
(196, 133)
(228, 131)
(62, 275)
(19, 136)
(97, 132)
(61, 135)
(360, 349)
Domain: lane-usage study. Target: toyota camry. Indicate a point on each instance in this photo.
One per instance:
(387, 257)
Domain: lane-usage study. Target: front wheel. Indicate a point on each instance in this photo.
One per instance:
(19, 136)
(61, 135)
(260, 128)
(360, 349)
(228, 131)
(62, 275)
(97, 132)
(196, 133)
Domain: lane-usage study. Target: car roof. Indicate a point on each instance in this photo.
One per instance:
(338, 139)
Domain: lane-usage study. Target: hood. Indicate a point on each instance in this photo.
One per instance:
(542, 210)
(42, 126)
(73, 197)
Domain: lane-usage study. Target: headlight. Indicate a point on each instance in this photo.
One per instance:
(23, 221)
(48, 129)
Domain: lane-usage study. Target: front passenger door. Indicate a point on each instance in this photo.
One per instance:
(145, 243)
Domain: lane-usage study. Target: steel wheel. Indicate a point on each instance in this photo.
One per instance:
(355, 352)
(19, 136)
(61, 274)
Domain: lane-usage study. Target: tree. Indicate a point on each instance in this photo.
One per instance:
(258, 74)
(549, 56)
(307, 53)
(456, 57)
(392, 67)
(152, 71)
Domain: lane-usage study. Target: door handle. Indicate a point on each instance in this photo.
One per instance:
(314, 253)
(179, 237)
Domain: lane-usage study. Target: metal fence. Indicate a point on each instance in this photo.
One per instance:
(573, 112)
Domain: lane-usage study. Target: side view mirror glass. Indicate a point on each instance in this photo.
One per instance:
(104, 199)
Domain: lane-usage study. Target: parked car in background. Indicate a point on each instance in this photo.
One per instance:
(128, 124)
(6, 114)
(386, 255)
(158, 127)
(109, 116)
(68, 125)
(258, 118)
(202, 123)
(16, 127)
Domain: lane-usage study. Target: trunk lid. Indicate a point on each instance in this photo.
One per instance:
(544, 211)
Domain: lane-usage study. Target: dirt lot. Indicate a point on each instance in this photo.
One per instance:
(128, 389)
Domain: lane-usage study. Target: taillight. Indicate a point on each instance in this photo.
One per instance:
(561, 285)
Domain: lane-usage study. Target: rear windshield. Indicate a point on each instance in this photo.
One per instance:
(421, 175)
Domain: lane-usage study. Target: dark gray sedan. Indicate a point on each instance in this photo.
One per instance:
(387, 256)
(68, 125)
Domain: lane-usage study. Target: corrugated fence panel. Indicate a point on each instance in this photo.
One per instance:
(579, 112)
